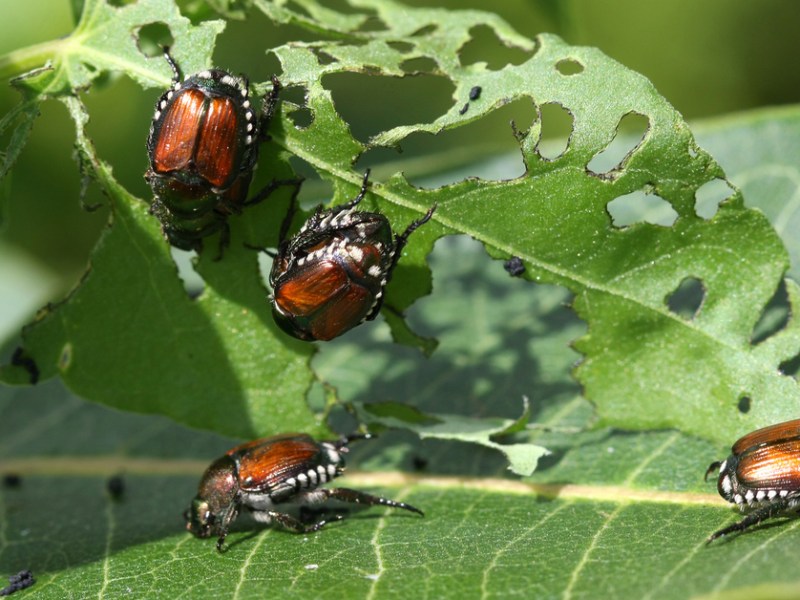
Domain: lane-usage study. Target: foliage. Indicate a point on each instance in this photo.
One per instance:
(679, 331)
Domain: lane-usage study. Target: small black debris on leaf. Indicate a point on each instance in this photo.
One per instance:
(514, 266)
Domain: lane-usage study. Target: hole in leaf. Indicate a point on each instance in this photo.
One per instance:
(192, 282)
(774, 317)
(569, 66)
(631, 131)
(340, 7)
(300, 114)
(425, 31)
(687, 299)
(422, 64)
(295, 94)
(709, 196)
(373, 23)
(431, 161)
(744, 404)
(323, 58)
(639, 206)
(314, 190)
(790, 367)
(302, 117)
(118, 3)
(404, 47)
(378, 103)
(106, 128)
(153, 38)
(485, 46)
(557, 123)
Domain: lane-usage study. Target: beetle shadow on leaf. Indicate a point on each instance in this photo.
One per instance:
(501, 338)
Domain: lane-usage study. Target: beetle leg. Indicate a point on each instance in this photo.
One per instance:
(402, 238)
(754, 518)
(224, 240)
(345, 440)
(291, 523)
(273, 185)
(229, 518)
(268, 108)
(356, 497)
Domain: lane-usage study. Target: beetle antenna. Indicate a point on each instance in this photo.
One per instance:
(269, 106)
(175, 69)
(362, 192)
(353, 437)
(711, 468)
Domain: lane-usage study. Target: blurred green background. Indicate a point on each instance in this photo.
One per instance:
(707, 58)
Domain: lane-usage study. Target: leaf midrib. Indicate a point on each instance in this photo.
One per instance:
(80, 466)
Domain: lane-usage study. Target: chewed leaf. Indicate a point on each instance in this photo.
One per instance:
(556, 219)
(522, 456)
(648, 360)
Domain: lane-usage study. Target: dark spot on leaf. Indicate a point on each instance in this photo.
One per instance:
(65, 359)
(485, 46)
(420, 463)
(744, 404)
(774, 317)
(421, 64)
(709, 196)
(514, 266)
(687, 299)
(638, 207)
(116, 487)
(631, 131)
(569, 66)
(475, 93)
(12, 480)
(153, 38)
(790, 367)
(463, 109)
(557, 123)
(20, 581)
(20, 359)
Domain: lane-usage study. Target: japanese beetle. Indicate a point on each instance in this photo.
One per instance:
(762, 472)
(203, 146)
(331, 275)
(265, 474)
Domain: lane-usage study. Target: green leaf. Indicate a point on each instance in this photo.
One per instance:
(522, 457)
(105, 40)
(221, 363)
(152, 348)
(645, 366)
(765, 172)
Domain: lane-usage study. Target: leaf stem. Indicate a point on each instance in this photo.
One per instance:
(26, 59)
